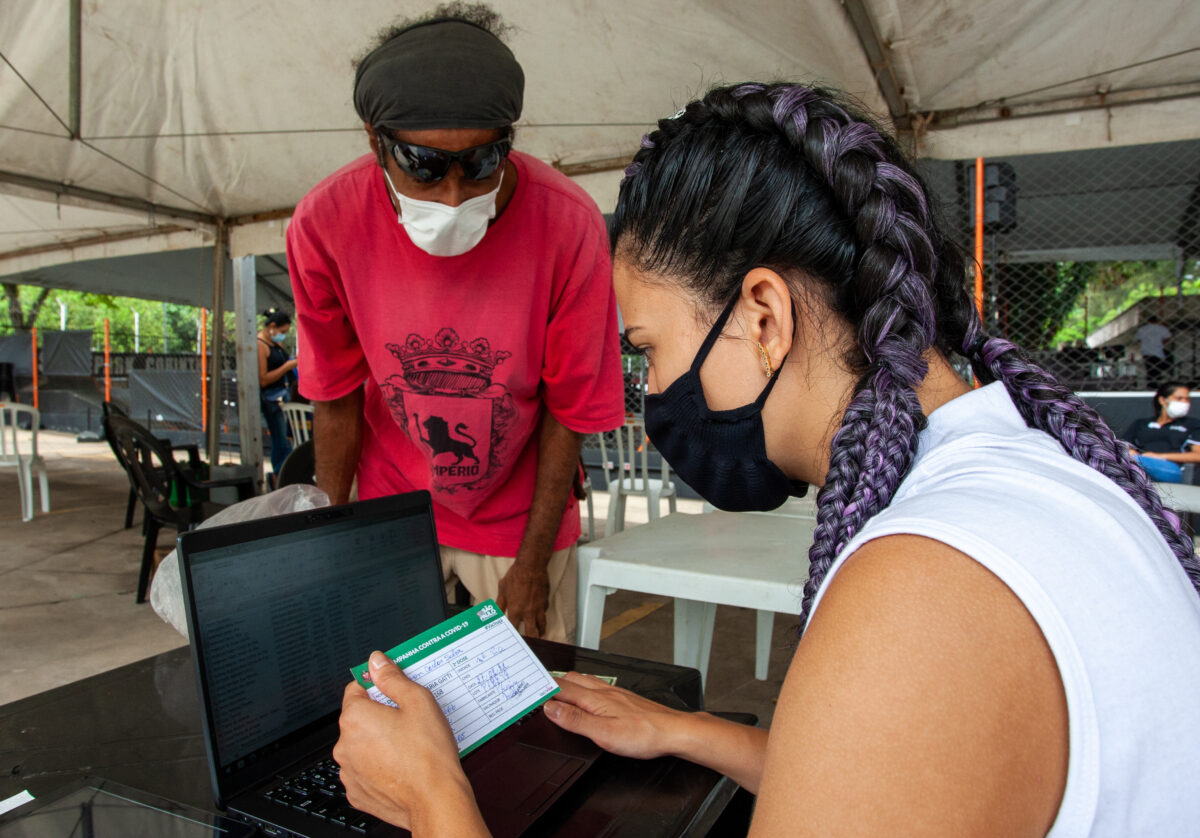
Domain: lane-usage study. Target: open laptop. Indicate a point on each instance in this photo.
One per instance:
(278, 611)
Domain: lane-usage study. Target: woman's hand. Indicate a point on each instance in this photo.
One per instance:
(401, 763)
(629, 725)
(615, 719)
(290, 364)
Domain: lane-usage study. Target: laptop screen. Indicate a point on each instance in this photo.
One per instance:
(280, 618)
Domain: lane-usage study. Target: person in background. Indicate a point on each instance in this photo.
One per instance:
(460, 329)
(273, 368)
(1001, 626)
(1169, 435)
(1154, 336)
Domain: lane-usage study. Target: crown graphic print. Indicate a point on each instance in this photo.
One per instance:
(447, 403)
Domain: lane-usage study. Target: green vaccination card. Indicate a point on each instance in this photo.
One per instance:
(478, 667)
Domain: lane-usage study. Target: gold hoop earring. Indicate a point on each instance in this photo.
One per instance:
(765, 359)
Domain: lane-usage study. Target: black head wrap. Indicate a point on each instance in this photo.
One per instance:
(445, 74)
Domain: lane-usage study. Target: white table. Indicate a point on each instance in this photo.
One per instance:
(1179, 496)
(722, 558)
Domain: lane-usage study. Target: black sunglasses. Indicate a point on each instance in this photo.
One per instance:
(429, 165)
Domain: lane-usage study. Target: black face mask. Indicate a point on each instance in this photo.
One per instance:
(722, 454)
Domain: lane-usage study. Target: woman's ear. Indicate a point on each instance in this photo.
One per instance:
(768, 313)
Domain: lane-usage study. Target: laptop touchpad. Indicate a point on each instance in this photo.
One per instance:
(520, 782)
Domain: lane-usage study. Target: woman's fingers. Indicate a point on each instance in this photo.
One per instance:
(575, 719)
(387, 676)
(385, 752)
(615, 719)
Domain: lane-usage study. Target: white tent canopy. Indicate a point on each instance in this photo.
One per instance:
(188, 115)
(138, 126)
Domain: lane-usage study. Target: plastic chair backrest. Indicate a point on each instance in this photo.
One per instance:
(614, 470)
(298, 416)
(633, 458)
(10, 413)
(633, 452)
(112, 409)
(299, 467)
(149, 463)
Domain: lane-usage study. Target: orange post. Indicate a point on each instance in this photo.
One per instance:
(979, 236)
(107, 365)
(35, 368)
(204, 369)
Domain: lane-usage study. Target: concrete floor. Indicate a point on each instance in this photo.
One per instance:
(68, 578)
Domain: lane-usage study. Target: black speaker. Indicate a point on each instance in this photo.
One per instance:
(999, 198)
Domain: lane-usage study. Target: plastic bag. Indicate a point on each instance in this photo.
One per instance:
(166, 592)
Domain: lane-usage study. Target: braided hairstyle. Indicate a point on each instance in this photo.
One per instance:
(797, 179)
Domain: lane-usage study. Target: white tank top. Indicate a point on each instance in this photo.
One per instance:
(1112, 601)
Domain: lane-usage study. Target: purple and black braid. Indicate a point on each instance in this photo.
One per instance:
(1049, 406)
(795, 179)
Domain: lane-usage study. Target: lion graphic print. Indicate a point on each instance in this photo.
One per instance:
(445, 400)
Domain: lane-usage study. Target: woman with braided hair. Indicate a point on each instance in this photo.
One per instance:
(1001, 627)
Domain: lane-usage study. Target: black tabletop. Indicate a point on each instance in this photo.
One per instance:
(140, 725)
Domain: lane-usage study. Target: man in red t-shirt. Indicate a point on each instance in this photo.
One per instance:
(457, 324)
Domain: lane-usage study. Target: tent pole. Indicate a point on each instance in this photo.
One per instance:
(75, 68)
(33, 332)
(979, 237)
(204, 372)
(979, 246)
(220, 257)
(107, 364)
(249, 399)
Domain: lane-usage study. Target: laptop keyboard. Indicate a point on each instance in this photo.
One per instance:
(318, 791)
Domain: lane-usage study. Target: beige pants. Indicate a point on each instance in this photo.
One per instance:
(481, 576)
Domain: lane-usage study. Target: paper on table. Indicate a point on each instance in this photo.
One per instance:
(18, 799)
(611, 680)
(478, 667)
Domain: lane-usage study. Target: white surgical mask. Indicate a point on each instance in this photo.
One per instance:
(443, 230)
(1177, 410)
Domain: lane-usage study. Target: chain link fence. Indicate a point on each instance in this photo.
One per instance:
(1081, 250)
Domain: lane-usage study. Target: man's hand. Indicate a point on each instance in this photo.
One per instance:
(525, 595)
(401, 763)
(525, 590)
(337, 437)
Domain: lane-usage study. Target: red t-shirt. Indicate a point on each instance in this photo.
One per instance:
(459, 354)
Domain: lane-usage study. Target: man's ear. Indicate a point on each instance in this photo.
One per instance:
(376, 146)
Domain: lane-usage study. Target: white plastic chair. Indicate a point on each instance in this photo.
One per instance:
(591, 510)
(629, 475)
(803, 509)
(299, 417)
(25, 464)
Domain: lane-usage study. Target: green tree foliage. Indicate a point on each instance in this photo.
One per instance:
(180, 323)
(1033, 300)
(1046, 305)
(22, 314)
(1116, 286)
